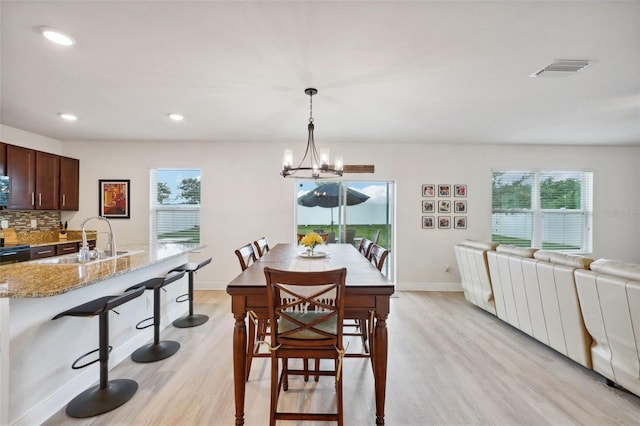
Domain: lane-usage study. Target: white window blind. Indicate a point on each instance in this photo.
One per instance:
(551, 210)
(174, 205)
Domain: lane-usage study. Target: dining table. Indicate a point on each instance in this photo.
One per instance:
(368, 292)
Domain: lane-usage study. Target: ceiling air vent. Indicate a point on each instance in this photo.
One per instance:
(562, 68)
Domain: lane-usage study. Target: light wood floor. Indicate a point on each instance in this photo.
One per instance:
(450, 363)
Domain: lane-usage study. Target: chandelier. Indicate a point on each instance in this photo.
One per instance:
(318, 166)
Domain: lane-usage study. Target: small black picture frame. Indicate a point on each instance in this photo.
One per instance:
(460, 222)
(444, 222)
(428, 222)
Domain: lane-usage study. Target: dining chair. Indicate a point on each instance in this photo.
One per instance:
(325, 238)
(300, 237)
(246, 256)
(262, 246)
(308, 308)
(376, 236)
(258, 322)
(365, 247)
(377, 256)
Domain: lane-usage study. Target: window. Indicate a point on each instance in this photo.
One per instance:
(551, 210)
(174, 205)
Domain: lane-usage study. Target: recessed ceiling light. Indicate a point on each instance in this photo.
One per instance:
(57, 36)
(68, 117)
(176, 117)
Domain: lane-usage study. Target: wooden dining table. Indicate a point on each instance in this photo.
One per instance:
(368, 292)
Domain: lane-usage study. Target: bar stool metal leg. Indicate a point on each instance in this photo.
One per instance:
(159, 349)
(190, 320)
(108, 394)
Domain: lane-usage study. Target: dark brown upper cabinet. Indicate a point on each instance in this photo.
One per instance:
(69, 183)
(34, 179)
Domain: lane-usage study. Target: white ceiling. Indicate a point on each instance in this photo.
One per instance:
(386, 71)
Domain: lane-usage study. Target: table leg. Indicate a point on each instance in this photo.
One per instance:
(380, 366)
(239, 364)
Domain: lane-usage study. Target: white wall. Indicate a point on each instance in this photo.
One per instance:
(243, 197)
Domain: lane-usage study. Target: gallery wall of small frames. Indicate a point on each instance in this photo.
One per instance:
(444, 206)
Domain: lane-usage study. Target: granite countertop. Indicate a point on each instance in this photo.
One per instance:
(33, 279)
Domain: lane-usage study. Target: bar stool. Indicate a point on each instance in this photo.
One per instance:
(108, 394)
(190, 320)
(159, 349)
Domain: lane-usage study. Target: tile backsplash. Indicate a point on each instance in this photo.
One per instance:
(21, 220)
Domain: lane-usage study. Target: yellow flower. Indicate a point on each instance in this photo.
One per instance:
(311, 240)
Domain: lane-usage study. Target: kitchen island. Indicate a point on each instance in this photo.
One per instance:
(36, 379)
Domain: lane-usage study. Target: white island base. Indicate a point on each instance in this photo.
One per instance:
(36, 353)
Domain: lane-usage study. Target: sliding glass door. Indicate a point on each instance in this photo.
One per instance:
(347, 211)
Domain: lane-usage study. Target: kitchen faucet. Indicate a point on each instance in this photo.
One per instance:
(85, 245)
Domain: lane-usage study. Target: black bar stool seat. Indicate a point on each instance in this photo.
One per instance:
(190, 320)
(108, 394)
(159, 349)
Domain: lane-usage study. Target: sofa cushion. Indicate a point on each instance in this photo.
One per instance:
(618, 268)
(479, 244)
(571, 260)
(517, 251)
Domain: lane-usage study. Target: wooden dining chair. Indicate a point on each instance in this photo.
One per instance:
(376, 236)
(377, 256)
(308, 308)
(246, 256)
(262, 246)
(365, 247)
(300, 237)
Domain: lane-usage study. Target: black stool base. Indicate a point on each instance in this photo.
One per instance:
(155, 351)
(95, 401)
(190, 321)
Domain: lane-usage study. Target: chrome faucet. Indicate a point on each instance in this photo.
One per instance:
(112, 242)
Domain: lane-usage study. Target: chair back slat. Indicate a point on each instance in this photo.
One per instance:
(246, 256)
(377, 256)
(365, 247)
(262, 246)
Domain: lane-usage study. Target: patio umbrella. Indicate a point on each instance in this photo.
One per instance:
(329, 195)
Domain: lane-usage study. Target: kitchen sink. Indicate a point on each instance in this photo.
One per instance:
(70, 259)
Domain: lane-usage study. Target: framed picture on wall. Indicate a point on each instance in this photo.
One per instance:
(114, 198)
(444, 206)
(459, 190)
(444, 222)
(428, 222)
(428, 190)
(460, 206)
(444, 190)
(460, 222)
(428, 206)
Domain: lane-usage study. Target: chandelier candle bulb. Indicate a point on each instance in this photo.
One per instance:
(287, 161)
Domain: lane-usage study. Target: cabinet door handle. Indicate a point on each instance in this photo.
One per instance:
(68, 249)
(45, 252)
(33, 198)
(40, 198)
(64, 200)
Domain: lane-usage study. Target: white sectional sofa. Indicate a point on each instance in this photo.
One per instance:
(474, 273)
(610, 298)
(587, 310)
(535, 291)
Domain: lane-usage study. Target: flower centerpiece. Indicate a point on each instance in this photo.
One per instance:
(311, 240)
